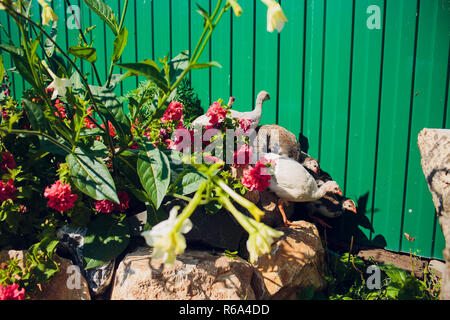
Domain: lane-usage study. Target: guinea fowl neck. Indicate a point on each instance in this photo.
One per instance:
(320, 192)
(258, 106)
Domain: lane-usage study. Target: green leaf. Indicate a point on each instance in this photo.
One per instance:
(178, 65)
(190, 181)
(119, 44)
(206, 65)
(155, 217)
(20, 61)
(153, 169)
(204, 14)
(91, 176)
(36, 116)
(147, 68)
(49, 47)
(106, 238)
(112, 109)
(49, 146)
(85, 53)
(105, 13)
(2, 68)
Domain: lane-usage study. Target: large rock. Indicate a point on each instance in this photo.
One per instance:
(195, 275)
(67, 284)
(295, 263)
(434, 145)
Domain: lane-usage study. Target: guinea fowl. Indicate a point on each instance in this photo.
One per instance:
(309, 163)
(291, 182)
(254, 116)
(330, 206)
(276, 139)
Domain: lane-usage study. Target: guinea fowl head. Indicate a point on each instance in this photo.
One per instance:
(262, 96)
(349, 205)
(331, 186)
(312, 164)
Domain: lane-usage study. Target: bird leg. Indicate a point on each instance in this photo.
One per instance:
(321, 222)
(286, 222)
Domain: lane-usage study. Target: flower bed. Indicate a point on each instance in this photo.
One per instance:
(72, 157)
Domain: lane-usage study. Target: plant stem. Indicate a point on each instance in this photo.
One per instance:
(122, 19)
(85, 42)
(192, 205)
(240, 218)
(197, 54)
(37, 133)
(250, 206)
(110, 141)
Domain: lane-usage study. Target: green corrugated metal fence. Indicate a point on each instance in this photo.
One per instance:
(359, 95)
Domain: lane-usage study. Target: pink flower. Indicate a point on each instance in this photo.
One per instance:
(257, 177)
(7, 162)
(88, 123)
(104, 206)
(4, 113)
(216, 113)
(7, 191)
(124, 201)
(60, 196)
(174, 112)
(243, 156)
(209, 159)
(245, 124)
(107, 206)
(61, 109)
(112, 130)
(184, 138)
(134, 146)
(12, 292)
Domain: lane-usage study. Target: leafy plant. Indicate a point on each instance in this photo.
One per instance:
(100, 156)
(347, 280)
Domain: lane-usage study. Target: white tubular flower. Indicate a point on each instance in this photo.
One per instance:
(47, 13)
(260, 241)
(59, 85)
(167, 240)
(236, 7)
(275, 16)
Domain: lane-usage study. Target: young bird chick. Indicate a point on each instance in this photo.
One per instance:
(330, 206)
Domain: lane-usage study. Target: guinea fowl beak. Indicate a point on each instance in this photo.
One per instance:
(339, 192)
(353, 210)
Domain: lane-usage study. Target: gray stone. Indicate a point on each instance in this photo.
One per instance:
(296, 262)
(434, 145)
(195, 275)
(137, 223)
(438, 267)
(67, 284)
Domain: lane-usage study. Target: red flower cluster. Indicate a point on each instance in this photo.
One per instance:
(216, 113)
(7, 191)
(4, 113)
(61, 109)
(257, 178)
(87, 122)
(245, 124)
(112, 130)
(174, 112)
(243, 156)
(7, 162)
(12, 292)
(106, 206)
(60, 196)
